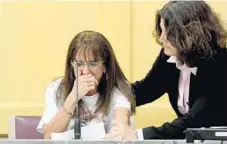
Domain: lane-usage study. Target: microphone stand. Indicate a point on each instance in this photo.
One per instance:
(77, 123)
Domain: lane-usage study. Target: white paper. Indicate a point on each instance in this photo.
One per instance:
(219, 127)
(221, 134)
(95, 131)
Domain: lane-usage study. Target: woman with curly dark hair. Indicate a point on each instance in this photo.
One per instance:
(191, 68)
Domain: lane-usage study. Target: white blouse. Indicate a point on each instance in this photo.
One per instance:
(51, 106)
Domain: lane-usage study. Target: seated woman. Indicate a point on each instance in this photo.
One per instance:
(104, 93)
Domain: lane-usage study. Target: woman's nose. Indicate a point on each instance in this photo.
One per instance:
(162, 37)
(85, 70)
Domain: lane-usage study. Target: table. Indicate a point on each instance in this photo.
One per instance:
(26, 141)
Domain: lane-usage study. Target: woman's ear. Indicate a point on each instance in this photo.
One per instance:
(105, 73)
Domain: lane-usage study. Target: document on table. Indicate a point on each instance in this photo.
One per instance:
(94, 131)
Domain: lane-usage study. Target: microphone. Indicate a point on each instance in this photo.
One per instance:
(77, 123)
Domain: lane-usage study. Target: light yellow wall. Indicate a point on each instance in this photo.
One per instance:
(34, 37)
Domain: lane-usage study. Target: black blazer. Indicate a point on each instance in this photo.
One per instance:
(207, 96)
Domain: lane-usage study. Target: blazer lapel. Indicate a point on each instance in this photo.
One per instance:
(192, 89)
(173, 86)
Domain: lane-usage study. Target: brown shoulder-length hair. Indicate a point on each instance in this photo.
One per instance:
(193, 28)
(90, 42)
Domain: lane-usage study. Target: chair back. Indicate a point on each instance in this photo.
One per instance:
(24, 127)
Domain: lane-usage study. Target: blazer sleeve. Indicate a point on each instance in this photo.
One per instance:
(153, 85)
(208, 109)
(175, 129)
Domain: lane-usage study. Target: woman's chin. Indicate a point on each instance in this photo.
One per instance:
(166, 51)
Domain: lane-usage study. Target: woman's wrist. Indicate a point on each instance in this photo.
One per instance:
(69, 107)
(68, 111)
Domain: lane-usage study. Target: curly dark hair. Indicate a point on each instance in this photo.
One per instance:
(193, 28)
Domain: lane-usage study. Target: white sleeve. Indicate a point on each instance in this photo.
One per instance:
(119, 100)
(51, 107)
(139, 133)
